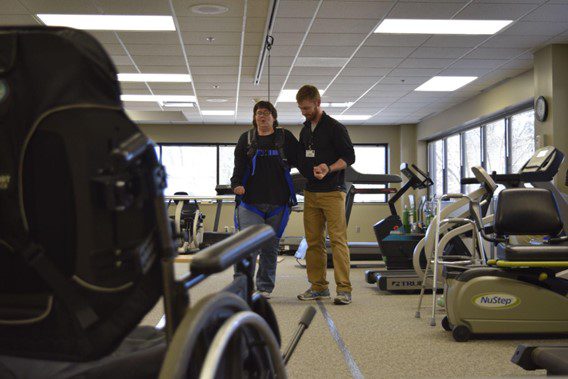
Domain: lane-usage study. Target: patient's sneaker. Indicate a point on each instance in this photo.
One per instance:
(342, 298)
(264, 294)
(314, 295)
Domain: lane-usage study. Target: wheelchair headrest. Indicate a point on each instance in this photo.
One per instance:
(526, 211)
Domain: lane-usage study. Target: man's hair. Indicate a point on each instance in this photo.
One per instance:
(307, 92)
(268, 106)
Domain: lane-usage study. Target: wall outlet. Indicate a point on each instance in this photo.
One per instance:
(357, 229)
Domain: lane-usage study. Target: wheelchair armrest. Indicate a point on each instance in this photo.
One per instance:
(224, 254)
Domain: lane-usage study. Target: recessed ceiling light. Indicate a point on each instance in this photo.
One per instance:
(170, 78)
(217, 113)
(217, 100)
(159, 98)
(320, 62)
(337, 105)
(417, 26)
(446, 83)
(177, 104)
(109, 22)
(351, 117)
(209, 9)
(289, 95)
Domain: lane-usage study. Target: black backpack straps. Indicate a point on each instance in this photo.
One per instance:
(60, 285)
(252, 142)
(279, 142)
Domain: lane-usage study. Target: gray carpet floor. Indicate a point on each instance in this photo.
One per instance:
(376, 336)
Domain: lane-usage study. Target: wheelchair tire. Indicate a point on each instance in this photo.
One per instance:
(244, 331)
(262, 307)
(194, 335)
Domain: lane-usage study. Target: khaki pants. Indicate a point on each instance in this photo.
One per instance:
(319, 208)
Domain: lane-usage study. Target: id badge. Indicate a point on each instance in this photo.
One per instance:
(310, 153)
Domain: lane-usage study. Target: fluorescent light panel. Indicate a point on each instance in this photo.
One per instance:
(109, 22)
(218, 113)
(417, 26)
(159, 98)
(320, 62)
(445, 83)
(337, 105)
(289, 96)
(351, 117)
(165, 78)
(177, 105)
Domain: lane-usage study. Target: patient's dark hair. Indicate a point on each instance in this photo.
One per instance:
(268, 106)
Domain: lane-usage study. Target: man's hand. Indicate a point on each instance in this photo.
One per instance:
(321, 171)
(240, 190)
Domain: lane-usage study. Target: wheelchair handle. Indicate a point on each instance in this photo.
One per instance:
(226, 253)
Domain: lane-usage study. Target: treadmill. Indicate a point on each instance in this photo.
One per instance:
(397, 249)
(359, 251)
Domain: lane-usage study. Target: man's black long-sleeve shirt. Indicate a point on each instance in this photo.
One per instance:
(268, 184)
(330, 141)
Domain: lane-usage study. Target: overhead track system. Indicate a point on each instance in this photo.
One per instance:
(267, 42)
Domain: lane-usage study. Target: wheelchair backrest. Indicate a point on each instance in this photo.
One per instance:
(78, 267)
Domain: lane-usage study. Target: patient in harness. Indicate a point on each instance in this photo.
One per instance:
(261, 180)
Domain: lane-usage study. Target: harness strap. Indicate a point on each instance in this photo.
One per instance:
(284, 209)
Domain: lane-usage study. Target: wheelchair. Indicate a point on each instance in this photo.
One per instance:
(86, 247)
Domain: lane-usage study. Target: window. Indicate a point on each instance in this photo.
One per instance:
(472, 154)
(370, 159)
(502, 145)
(453, 165)
(436, 160)
(522, 139)
(226, 163)
(191, 169)
(495, 158)
(197, 169)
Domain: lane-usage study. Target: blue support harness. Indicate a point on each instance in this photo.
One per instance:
(285, 209)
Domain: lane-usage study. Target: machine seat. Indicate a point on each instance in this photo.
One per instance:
(532, 253)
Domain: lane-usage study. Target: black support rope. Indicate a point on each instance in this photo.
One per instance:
(268, 44)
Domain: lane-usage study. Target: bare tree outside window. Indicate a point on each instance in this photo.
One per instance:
(472, 154)
(453, 165)
(438, 167)
(487, 144)
(495, 141)
(522, 139)
(226, 163)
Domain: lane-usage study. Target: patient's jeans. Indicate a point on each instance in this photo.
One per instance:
(266, 274)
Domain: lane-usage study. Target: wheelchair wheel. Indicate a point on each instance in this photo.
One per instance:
(194, 335)
(248, 333)
(262, 307)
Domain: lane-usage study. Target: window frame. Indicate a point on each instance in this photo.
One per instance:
(387, 168)
(505, 115)
(217, 146)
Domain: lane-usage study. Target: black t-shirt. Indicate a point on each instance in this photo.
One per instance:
(330, 141)
(268, 184)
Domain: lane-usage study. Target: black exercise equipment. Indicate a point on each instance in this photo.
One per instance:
(397, 249)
